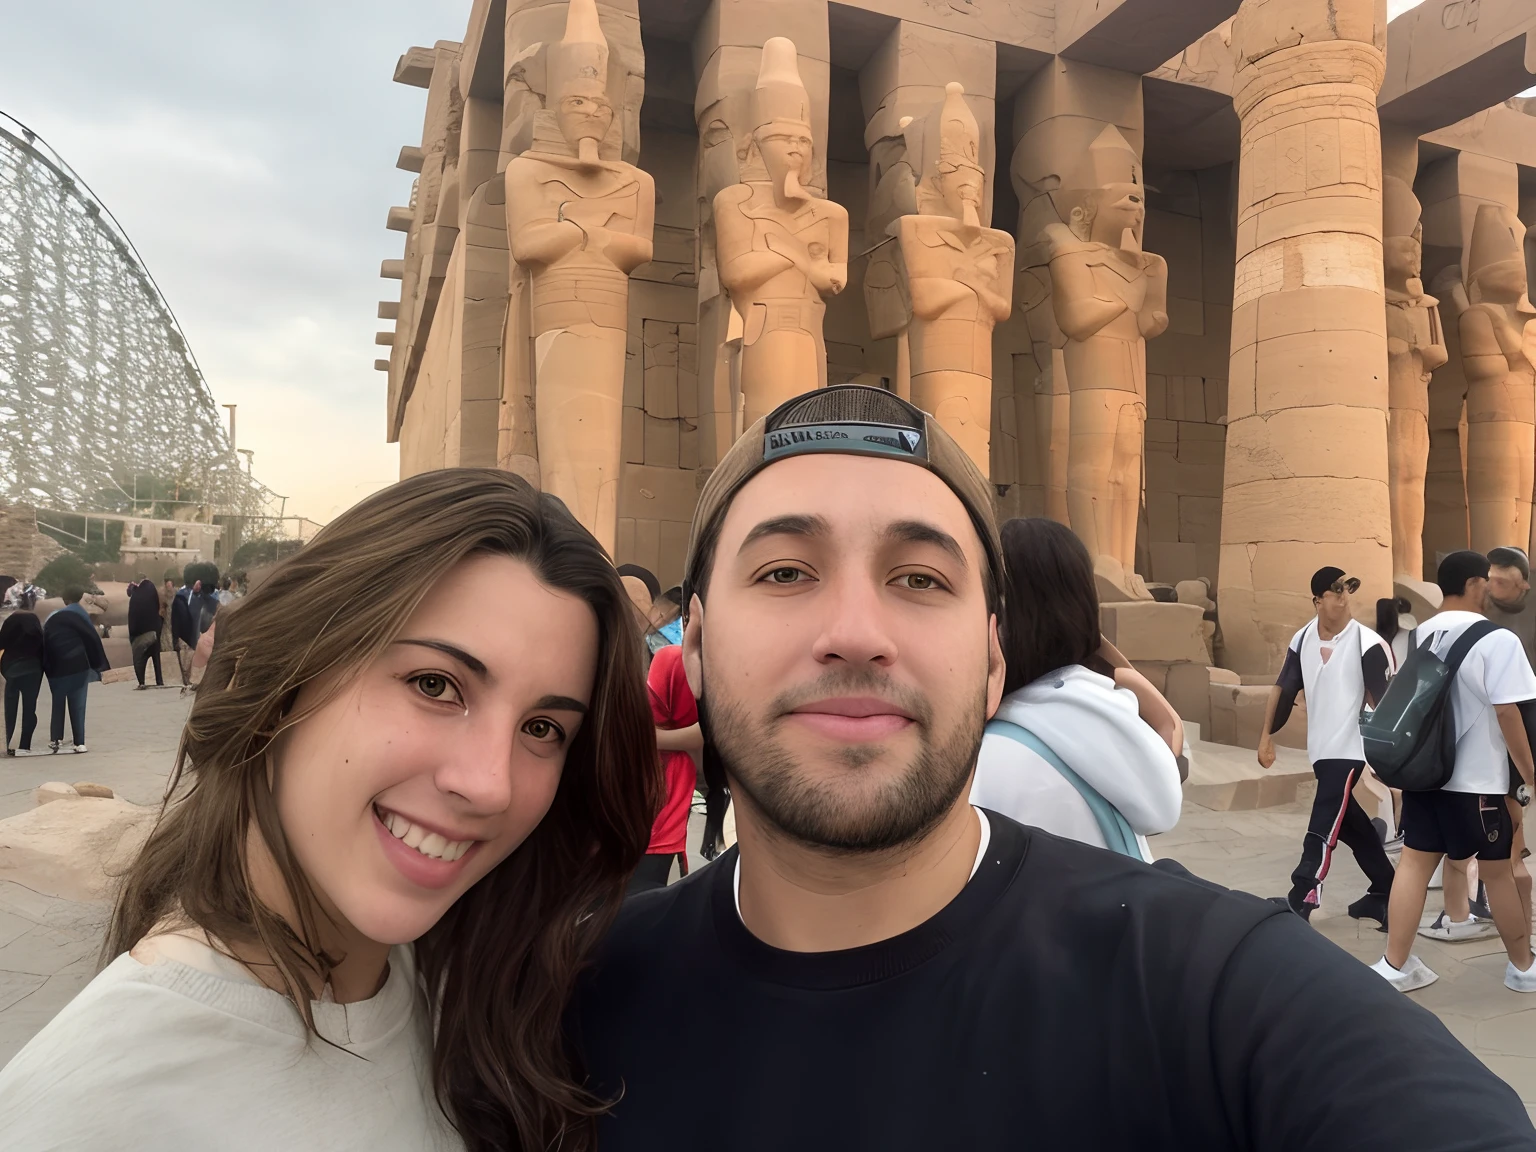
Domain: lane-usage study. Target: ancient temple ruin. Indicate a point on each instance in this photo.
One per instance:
(1236, 290)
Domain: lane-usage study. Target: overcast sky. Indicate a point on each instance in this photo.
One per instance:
(248, 150)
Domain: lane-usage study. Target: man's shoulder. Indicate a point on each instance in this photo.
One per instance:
(1301, 634)
(654, 923)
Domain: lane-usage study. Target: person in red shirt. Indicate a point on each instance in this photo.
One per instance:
(676, 716)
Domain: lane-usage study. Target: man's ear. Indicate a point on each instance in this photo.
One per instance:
(997, 668)
(693, 647)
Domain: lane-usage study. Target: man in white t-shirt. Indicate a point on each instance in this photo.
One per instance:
(1467, 816)
(1339, 664)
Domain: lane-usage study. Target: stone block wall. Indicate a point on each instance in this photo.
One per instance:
(1189, 224)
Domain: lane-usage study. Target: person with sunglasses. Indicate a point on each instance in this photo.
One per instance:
(1338, 664)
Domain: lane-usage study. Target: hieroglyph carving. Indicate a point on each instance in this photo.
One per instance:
(780, 247)
(1415, 348)
(959, 278)
(580, 220)
(1109, 297)
(1498, 351)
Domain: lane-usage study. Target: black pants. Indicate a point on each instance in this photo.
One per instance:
(23, 689)
(145, 654)
(68, 690)
(1337, 816)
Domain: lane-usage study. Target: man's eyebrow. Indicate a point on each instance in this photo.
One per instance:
(474, 664)
(796, 525)
(917, 532)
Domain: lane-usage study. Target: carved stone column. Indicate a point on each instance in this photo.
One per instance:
(1306, 459)
(1057, 116)
(727, 54)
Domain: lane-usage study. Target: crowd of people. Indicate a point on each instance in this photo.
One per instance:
(439, 840)
(65, 649)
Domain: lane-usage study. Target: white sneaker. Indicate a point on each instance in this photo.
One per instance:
(1518, 981)
(1415, 974)
(1472, 928)
(79, 747)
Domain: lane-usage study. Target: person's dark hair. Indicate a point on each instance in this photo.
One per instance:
(203, 570)
(73, 594)
(1459, 567)
(1050, 602)
(1386, 619)
(644, 575)
(1510, 558)
(502, 962)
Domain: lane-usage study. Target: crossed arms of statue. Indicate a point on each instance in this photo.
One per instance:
(601, 224)
(746, 265)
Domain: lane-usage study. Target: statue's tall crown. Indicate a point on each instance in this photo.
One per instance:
(1110, 160)
(578, 63)
(959, 136)
(779, 94)
(1494, 238)
(1400, 208)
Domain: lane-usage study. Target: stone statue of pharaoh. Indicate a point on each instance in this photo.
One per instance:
(580, 220)
(780, 247)
(1415, 348)
(1498, 353)
(1109, 298)
(959, 279)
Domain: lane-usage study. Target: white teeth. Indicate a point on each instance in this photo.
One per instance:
(431, 844)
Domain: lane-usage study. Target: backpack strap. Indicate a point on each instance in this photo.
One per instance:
(1465, 643)
(1117, 833)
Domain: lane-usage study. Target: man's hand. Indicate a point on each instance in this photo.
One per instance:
(1266, 752)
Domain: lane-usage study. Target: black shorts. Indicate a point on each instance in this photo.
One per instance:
(1459, 824)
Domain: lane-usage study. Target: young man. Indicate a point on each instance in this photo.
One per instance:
(1340, 665)
(1467, 817)
(898, 970)
(1509, 606)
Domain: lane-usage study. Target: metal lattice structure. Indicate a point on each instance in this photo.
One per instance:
(97, 383)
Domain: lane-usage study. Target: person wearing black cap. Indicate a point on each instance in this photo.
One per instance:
(1340, 665)
(1467, 816)
(900, 970)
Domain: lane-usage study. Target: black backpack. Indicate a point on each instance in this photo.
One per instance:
(1410, 740)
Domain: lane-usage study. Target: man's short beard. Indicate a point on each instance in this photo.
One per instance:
(799, 806)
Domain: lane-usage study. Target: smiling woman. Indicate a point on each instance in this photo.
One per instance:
(413, 786)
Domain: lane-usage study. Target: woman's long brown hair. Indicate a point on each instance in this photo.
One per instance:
(502, 962)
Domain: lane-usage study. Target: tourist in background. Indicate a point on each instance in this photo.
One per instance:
(21, 663)
(676, 716)
(1467, 816)
(664, 623)
(73, 656)
(144, 626)
(167, 598)
(186, 612)
(1509, 596)
(1340, 666)
(383, 794)
(1395, 624)
(1067, 740)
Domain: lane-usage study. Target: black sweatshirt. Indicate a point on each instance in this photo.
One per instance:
(1067, 998)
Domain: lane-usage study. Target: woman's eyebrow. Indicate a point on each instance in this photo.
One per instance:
(474, 664)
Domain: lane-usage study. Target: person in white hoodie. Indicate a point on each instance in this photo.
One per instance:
(1068, 750)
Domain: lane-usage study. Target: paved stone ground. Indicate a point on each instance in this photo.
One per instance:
(48, 947)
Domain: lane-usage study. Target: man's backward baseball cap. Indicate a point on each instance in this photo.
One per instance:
(852, 419)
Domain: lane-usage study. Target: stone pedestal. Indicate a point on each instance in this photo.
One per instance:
(1305, 481)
